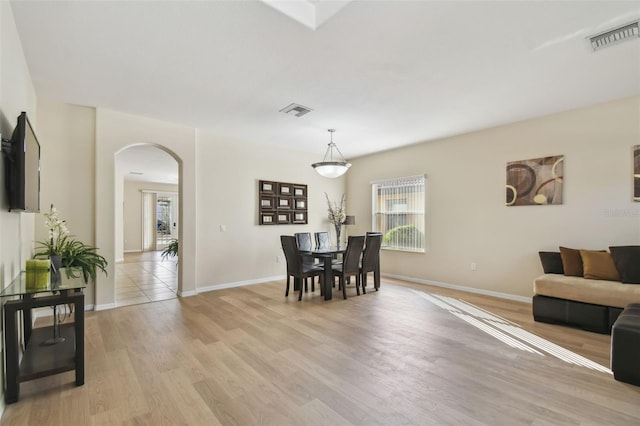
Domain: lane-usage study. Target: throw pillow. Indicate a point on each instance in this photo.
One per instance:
(599, 265)
(627, 260)
(551, 262)
(571, 262)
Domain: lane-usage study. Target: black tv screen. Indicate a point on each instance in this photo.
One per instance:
(22, 165)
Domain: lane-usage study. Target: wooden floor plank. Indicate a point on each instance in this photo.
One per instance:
(249, 356)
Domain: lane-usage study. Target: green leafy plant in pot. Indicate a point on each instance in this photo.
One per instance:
(170, 250)
(75, 256)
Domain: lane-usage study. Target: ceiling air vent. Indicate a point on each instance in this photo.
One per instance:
(615, 36)
(296, 110)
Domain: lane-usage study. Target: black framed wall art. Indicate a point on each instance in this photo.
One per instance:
(282, 203)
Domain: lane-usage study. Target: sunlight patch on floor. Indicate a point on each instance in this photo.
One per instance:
(507, 331)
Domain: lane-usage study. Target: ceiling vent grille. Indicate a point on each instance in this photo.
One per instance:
(615, 36)
(296, 110)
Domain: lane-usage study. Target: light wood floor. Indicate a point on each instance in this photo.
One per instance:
(144, 277)
(249, 356)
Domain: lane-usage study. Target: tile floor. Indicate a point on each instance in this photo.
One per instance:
(145, 277)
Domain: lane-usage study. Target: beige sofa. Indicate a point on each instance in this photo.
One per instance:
(590, 304)
(597, 292)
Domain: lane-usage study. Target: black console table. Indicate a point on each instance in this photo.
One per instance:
(43, 355)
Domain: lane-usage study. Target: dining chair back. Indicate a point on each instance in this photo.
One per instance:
(371, 260)
(322, 240)
(351, 263)
(303, 239)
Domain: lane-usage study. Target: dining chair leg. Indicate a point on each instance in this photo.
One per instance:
(363, 280)
(301, 291)
(286, 293)
(376, 278)
(306, 285)
(358, 284)
(344, 286)
(313, 284)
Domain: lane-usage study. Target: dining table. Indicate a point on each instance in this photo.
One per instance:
(327, 255)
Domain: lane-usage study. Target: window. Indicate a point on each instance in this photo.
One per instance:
(398, 212)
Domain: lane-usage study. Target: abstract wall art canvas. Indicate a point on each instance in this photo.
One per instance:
(535, 182)
(636, 173)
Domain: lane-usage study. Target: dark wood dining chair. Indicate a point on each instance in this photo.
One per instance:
(303, 241)
(350, 265)
(324, 243)
(295, 266)
(371, 260)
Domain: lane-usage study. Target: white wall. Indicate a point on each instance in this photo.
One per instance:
(67, 144)
(227, 194)
(133, 210)
(17, 94)
(467, 220)
(225, 177)
(116, 131)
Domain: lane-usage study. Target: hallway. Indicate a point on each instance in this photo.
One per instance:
(144, 277)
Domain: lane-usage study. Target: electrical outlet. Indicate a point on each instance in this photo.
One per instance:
(278, 258)
(223, 228)
(474, 266)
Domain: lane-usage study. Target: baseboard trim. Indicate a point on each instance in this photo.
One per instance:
(461, 288)
(239, 283)
(186, 293)
(104, 307)
(132, 251)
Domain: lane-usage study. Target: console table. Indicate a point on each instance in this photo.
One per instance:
(48, 350)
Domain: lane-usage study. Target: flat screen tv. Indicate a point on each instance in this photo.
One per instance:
(22, 167)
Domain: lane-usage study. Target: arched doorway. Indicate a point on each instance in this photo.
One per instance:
(147, 220)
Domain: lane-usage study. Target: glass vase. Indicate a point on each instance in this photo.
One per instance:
(338, 230)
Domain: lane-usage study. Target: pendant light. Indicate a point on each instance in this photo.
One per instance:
(330, 167)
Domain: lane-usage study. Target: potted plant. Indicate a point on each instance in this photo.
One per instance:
(171, 250)
(73, 255)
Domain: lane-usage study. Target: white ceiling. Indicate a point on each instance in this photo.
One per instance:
(382, 73)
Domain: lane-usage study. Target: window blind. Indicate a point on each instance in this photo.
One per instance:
(398, 212)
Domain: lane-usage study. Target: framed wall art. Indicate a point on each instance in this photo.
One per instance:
(535, 182)
(282, 203)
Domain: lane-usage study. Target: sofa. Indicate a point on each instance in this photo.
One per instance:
(587, 288)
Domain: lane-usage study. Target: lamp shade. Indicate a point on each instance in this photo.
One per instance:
(349, 220)
(331, 169)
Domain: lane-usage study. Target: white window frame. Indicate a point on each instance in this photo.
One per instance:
(385, 214)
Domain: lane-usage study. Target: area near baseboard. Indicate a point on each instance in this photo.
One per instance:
(461, 288)
(104, 307)
(239, 283)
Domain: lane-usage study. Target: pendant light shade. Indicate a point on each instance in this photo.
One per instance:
(331, 167)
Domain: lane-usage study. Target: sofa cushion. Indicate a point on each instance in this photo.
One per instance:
(551, 262)
(571, 262)
(598, 265)
(627, 261)
(598, 292)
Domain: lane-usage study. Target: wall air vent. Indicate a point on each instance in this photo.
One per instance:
(296, 110)
(615, 36)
